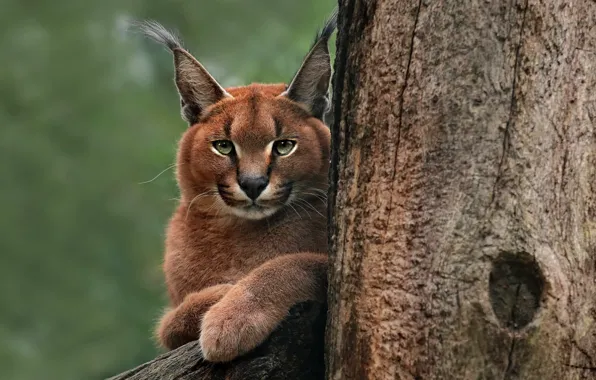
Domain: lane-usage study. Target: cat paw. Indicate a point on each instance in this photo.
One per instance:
(235, 326)
(171, 334)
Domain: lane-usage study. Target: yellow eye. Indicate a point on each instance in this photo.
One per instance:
(283, 147)
(224, 147)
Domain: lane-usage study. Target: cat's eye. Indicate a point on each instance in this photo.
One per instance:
(283, 147)
(224, 147)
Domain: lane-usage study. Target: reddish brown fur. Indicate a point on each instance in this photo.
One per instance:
(231, 280)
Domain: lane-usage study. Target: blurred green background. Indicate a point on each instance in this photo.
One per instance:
(88, 112)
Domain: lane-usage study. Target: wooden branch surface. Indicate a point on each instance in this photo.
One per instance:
(294, 351)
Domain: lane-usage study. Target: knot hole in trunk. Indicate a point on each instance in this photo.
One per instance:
(516, 286)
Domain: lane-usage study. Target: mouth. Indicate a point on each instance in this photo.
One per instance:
(259, 208)
(253, 211)
(254, 207)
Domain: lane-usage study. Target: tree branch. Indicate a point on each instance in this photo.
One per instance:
(293, 351)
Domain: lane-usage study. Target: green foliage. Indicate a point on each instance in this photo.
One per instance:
(89, 111)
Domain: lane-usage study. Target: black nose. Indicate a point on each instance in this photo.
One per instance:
(253, 186)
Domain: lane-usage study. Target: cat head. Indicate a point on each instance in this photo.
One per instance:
(251, 151)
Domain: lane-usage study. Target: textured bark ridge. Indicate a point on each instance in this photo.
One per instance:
(294, 351)
(464, 191)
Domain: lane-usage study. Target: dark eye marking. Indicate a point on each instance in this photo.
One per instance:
(228, 128)
(278, 128)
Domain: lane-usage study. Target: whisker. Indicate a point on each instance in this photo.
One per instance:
(219, 208)
(310, 205)
(319, 197)
(211, 207)
(310, 187)
(204, 194)
(325, 183)
(305, 210)
(322, 192)
(297, 213)
(157, 176)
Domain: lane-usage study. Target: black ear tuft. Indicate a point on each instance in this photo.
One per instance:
(328, 29)
(159, 34)
(197, 88)
(310, 85)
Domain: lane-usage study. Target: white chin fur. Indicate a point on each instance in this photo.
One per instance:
(252, 214)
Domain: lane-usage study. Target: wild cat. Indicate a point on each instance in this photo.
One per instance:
(248, 239)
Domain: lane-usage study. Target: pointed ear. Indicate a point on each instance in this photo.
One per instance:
(310, 85)
(197, 88)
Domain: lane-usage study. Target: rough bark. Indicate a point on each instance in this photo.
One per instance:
(294, 351)
(463, 191)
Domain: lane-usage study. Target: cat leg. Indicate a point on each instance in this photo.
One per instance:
(256, 304)
(181, 324)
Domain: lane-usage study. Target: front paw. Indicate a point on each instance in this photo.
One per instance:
(236, 325)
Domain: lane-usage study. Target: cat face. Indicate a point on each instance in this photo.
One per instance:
(251, 151)
(254, 154)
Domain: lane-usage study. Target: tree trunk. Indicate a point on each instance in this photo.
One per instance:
(293, 352)
(463, 191)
